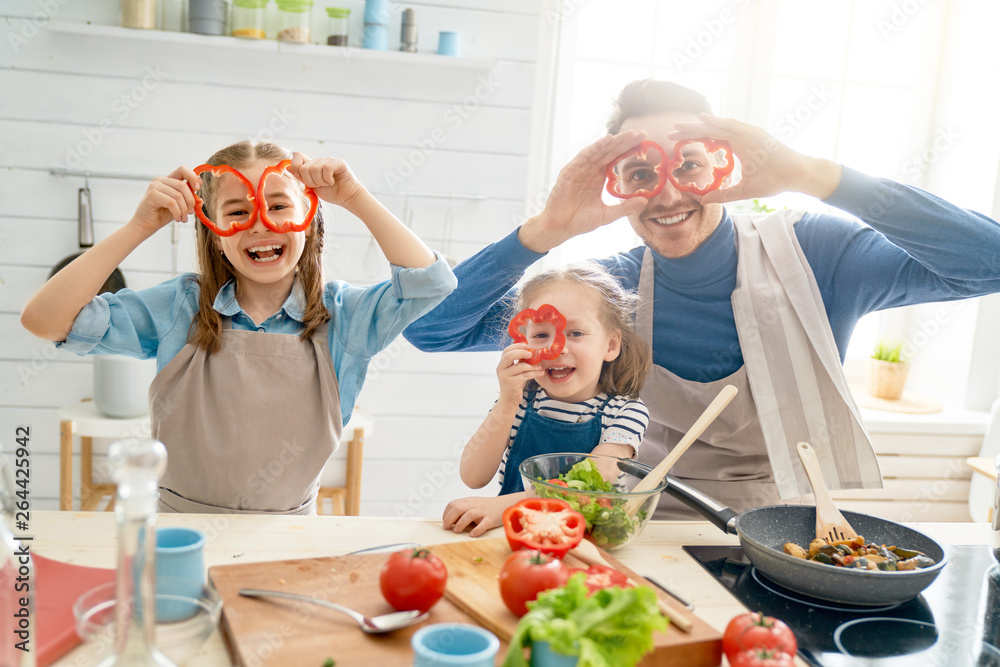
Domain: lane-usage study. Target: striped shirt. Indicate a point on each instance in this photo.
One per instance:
(624, 421)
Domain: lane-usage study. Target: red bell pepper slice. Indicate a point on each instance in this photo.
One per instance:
(545, 314)
(548, 525)
(603, 576)
(287, 225)
(217, 171)
(640, 151)
(718, 173)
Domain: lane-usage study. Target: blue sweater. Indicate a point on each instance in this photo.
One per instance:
(918, 248)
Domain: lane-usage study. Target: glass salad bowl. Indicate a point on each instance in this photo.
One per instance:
(600, 488)
(186, 617)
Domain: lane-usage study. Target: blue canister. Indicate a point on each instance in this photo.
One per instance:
(376, 25)
(454, 645)
(542, 655)
(449, 43)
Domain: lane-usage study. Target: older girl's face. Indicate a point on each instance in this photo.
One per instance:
(574, 375)
(258, 254)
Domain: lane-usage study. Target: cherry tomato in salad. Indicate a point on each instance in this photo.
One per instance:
(525, 574)
(752, 631)
(762, 657)
(549, 525)
(413, 579)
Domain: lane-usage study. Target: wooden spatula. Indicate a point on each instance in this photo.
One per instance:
(653, 479)
(830, 523)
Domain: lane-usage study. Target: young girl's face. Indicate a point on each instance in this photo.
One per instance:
(575, 374)
(259, 255)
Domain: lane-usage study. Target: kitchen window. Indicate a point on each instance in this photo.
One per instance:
(899, 88)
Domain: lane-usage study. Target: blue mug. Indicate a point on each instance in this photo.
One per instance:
(453, 645)
(449, 43)
(542, 655)
(180, 571)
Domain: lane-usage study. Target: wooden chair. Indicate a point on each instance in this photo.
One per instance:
(346, 500)
(85, 420)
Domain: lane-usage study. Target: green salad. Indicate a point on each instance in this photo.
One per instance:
(607, 522)
(613, 627)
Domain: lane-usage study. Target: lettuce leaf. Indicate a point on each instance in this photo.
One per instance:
(611, 628)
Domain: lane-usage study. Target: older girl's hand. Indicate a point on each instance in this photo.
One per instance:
(167, 198)
(330, 177)
(475, 514)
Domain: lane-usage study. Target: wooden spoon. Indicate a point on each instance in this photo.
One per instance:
(588, 552)
(830, 523)
(653, 479)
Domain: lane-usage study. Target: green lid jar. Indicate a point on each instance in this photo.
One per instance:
(249, 17)
(294, 17)
(337, 31)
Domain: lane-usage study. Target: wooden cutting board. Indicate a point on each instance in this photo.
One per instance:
(264, 633)
(473, 571)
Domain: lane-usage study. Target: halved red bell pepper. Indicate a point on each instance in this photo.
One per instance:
(718, 173)
(640, 151)
(286, 226)
(217, 170)
(548, 525)
(545, 314)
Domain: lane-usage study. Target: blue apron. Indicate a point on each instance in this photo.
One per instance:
(543, 435)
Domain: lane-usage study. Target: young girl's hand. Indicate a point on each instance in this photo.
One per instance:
(513, 375)
(476, 513)
(167, 198)
(330, 177)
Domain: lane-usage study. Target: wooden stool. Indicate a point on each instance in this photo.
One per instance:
(85, 420)
(984, 466)
(346, 500)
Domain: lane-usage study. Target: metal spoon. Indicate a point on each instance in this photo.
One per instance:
(374, 625)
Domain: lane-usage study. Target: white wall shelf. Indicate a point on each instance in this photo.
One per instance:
(347, 54)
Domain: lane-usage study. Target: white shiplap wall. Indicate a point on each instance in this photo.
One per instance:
(61, 102)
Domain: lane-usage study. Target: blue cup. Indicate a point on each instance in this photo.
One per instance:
(180, 570)
(542, 655)
(454, 644)
(449, 43)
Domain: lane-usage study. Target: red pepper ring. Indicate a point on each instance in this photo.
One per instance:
(639, 151)
(217, 170)
(718, 173)
(545, 314)
(288, 226)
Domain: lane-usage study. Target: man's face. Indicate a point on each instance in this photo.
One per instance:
(673, 223)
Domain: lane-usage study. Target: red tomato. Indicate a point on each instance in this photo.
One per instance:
(602, 576)
(751, 631)
(549, 525)
(557, 482)
(525, 574)
(413, 579)
(763, 657)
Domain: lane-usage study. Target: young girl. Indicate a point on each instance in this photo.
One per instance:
(585, 400)
(258, 361)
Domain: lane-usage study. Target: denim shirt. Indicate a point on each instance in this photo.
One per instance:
(154, 322)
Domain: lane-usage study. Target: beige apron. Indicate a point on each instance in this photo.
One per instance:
(249, 428)
(732, 461)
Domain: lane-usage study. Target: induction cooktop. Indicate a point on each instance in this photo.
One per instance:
(955, 622)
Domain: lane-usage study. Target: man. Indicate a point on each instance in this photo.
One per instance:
(766, 303)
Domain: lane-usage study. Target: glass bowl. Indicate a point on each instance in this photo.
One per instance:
(608, 525)
(184, 619)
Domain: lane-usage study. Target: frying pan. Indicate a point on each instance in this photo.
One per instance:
(85, 217)
(763, 531)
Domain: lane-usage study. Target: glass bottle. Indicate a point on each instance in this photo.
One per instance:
(249, 17)
(294, 18)
(337, 33)
(136, 465)
(17, 585)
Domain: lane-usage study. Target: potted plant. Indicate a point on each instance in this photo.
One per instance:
(887, 370)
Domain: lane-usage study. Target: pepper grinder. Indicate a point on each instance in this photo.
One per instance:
(408, 35)
(137, 466)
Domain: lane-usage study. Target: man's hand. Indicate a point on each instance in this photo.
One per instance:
(768, 166)
(574, 205)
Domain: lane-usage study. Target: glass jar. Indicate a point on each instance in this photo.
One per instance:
(249, 17)
(293, 21)
(337, 32)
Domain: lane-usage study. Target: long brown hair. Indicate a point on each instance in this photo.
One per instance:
(216, 270)
(626, 373)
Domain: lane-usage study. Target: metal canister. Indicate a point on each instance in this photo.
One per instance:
(408, 35)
